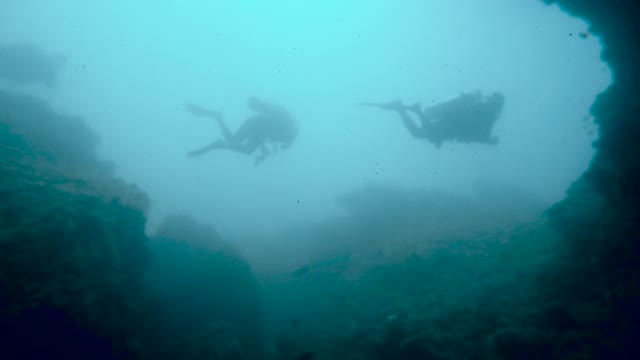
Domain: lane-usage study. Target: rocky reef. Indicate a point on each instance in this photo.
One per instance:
(81, 279)
(458, 280)
(600, 217)
(579, 303)
(210, 302)
(72, 241)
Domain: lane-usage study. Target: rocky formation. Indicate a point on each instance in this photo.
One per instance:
(80, 278)
(72, 241)
(211, 305)
(600, 217)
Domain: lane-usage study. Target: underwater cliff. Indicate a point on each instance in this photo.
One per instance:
(599, 217)
(211, 302)
(81, 279)
(73, 246)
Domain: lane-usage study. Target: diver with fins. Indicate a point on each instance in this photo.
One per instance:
(467, 118)
(271, 124)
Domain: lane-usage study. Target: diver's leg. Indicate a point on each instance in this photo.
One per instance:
(248, 137)
(215, 115)
(228, 135)
(219, 144)
(200, 111)
(251, 145)
(241, 135)
(243, 147)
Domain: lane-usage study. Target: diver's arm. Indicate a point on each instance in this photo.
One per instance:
(422, 114)
(414, 130)
(391, 105)
(416, 108)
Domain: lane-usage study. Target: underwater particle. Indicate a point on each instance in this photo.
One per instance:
(570, 34)
(306, 356)
(294, 323)
(301, 271)
(298, 201)
(584, 34)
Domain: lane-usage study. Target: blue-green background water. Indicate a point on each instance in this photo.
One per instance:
(131, 67)
(358, 242)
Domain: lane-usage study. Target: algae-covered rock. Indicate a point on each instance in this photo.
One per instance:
(73, 255)
(202, 281)
(72, 241)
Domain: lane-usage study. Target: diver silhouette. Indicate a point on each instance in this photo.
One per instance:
(271, 124)
(468, 118)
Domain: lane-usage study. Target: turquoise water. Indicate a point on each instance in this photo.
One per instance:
(282, 221)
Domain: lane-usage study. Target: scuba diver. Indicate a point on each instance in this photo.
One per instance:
(468, 118)
(271, 124)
